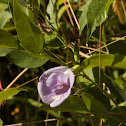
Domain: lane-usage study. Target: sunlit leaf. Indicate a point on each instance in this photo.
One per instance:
(83, 18)
(108, 4)
(5, 15)
(96, 13)
(61, 11)
(10, 92)
(118, 61)
(1, 122)
(122, 104)
(51, 8)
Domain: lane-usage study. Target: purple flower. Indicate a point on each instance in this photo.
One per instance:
(55, 85)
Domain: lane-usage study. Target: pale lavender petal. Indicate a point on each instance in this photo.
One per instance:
(55, 85)
(71, 77)
(45, 97)
(60, 99)
(54, 70)
(52, 80)
(45, 88)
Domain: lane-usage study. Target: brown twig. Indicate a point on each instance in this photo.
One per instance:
(59, 23)
(80, 53)
(100, 57)
(73, 14)
(28, 82)
(108, 44)
(18, 76)
(124, 9)
(91, 121)
(100, 123)
(85, 47)
(71, 21)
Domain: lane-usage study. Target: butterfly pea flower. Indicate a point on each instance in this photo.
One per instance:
(55, 85)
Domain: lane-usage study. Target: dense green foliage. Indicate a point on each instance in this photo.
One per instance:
(40, 34)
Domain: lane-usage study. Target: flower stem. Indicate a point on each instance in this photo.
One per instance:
(76, 69)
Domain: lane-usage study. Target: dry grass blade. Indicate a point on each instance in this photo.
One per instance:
(117, 7)
(124, 9)
(85, 47)
(71, 21)
(73, 14)
(109, 44)
(100, 58)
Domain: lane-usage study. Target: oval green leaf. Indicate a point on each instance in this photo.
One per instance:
(25, 60)
(118, 61)
(29, 34)
(10, 92)
(96, 13)
(7, 40)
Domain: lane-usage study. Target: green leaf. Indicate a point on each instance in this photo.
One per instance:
(51, 41)
(25, 60)
(4, 51)
(90, 76)
(51, 13)
(1, 122)
(53, 57)
(118, 61)
(61, 11)
(108, 4)
(29, 34)
(71, 104)
(96, 13)
(96, 102)
(9, 27)
(115, 89)
(118, 115)
(10, 92)
(122, 104)
(5, 1)
(7, 40)
(4, 14)
(26, 10)
(3, 6)
(83, 18)
(76, 53)
(118, 48)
